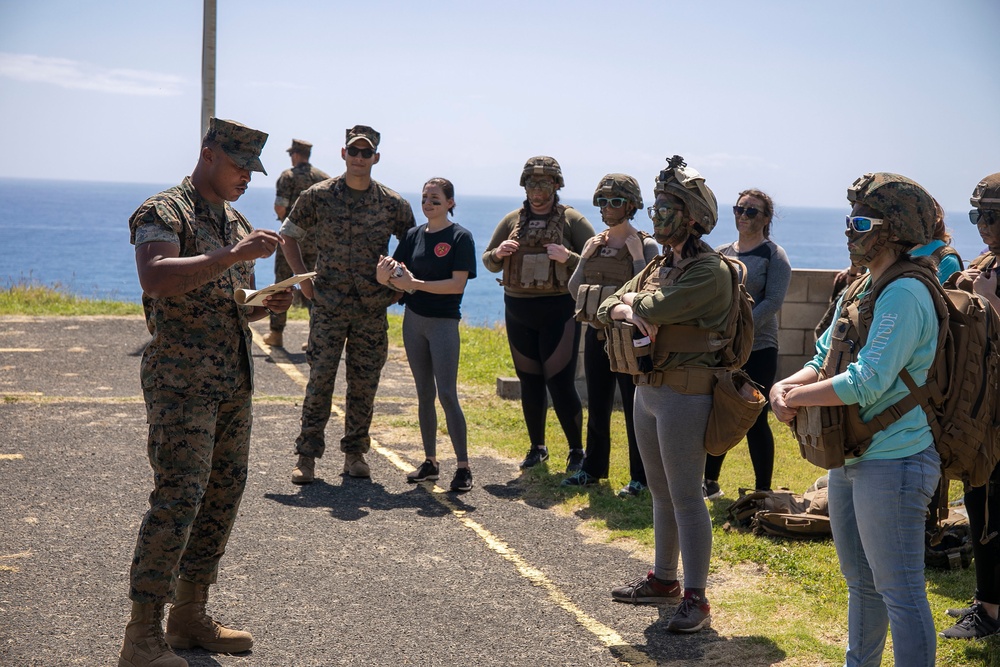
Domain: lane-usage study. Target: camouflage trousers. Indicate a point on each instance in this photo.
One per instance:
(198, 450)
(364, 334)
(282, 271)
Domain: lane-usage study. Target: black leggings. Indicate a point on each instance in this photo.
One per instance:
(601, 383)
(544, 339)
(761, 367)
(987, 556)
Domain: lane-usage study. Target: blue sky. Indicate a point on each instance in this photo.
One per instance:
(798, 98)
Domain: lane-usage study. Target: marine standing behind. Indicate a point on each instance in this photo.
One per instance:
(290, 184)
(192, 252)
(350, 217)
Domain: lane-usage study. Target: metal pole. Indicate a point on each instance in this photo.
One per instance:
(207, 66)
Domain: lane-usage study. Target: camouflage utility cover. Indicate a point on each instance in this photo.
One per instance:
(685, 182)
(987, 193)
(907, 208)
(359, 132)
(542, 165)
(350, 232)
(619, 185)
(201, 340)
(239, 142)
(300, 146)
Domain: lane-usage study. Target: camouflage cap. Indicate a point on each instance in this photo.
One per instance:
(905, 206)
(542, 165)
(987, 193)
(619, 185)
(239, 142)
(299, 146)
(359, 132)
(684, 182)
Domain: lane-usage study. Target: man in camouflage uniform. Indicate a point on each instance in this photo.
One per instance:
(292, 182)
(350, 218)
(192, 251)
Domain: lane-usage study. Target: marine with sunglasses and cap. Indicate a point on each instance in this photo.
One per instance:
(536, 248)
(350, 217)
(983, 502)
(607, 262)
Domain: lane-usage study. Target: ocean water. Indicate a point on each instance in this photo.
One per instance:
(74, 235)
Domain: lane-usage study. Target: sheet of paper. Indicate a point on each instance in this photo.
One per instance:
(249, 297)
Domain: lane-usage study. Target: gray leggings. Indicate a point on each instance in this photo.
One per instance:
(432, 347)
(670, 432)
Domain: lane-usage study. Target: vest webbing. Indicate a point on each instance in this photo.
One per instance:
(529, 267)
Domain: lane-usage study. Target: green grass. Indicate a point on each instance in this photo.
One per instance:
(785, 598)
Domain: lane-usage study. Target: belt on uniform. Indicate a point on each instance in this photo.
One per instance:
(684, 380)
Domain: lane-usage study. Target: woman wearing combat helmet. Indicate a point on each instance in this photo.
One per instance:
(607, 261)
(689, 285)
(982, 502)
(537, 247)
(890, 483)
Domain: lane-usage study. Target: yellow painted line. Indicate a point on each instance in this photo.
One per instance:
(624, 652)
(619, 648)
(11, 457)
(12, 568)
(281, 360)
(21, 349)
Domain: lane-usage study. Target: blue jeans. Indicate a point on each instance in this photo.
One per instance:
(877, 513)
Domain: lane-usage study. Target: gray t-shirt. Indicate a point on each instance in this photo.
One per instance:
(768, 274)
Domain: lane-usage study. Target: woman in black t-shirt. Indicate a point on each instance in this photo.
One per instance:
(432, 265)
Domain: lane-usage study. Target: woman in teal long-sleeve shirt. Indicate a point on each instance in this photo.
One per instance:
(878, 500)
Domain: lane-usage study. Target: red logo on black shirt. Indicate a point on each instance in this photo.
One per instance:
(442, 249)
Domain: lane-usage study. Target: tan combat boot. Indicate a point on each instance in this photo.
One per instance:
(274, 339)
(188, 626)
(356, 466)
(144, 645)
(304, 471)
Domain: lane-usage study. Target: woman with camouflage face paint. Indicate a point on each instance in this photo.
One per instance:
(890, 484)
(983, 502)
(607, 261)
(689, 285)
(537, 247)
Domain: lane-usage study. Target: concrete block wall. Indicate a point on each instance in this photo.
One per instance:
(805, 303)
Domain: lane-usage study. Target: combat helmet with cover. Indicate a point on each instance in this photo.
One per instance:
(908, 211)
(682, 181)
(620, 185)
(987, 193)
(542, 165)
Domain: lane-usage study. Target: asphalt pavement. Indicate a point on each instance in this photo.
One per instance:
(340, 572)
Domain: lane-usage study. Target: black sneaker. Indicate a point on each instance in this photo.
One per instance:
(462, 480)
(632, 489)
(710, 489)
(976, 625)
(427, 470)
(959, 612)
(648, 590)
(693, 615)
(580, 478)
(574, 461)
(535, 456)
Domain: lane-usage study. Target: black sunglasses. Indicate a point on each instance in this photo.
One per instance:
(749, 211)
(986, 217)
(366, 153)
